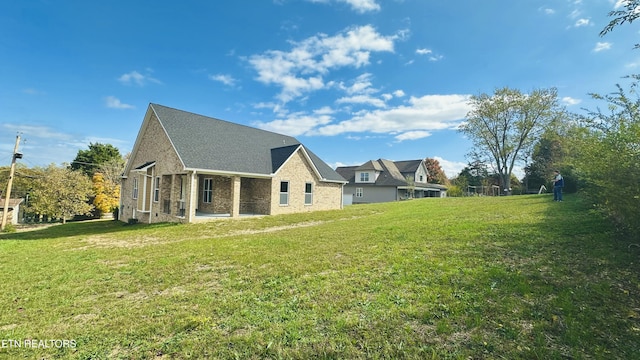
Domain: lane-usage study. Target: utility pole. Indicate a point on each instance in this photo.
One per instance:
(16, 155)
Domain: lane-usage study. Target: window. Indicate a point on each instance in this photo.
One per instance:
(156, 189)
(358, 192)
(364, 177)
(207, 192)
(308, 194)
(135, 188)
(421, 178)
(284, 193)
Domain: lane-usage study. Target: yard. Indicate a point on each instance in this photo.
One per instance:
(512, 277)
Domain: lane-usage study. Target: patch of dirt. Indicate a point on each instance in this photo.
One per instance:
(274, 228)
(106, 241)
(8, 327)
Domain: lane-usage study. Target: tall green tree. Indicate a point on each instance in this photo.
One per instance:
(61, 193)
(504, 126)
(547, 156)
(88, 161)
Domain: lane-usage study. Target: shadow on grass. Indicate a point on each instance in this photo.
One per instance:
(570, 281)
(80, 228)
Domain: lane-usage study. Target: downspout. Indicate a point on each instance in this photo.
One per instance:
(153, 171)
(342, 196)
(121, 202)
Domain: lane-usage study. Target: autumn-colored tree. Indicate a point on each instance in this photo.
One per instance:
(436, 174)
(107, 194)
(61, 193)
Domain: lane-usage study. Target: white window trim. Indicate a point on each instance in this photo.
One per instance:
(308, 193)
(156, 189)
(284, 193)
(134, 193)
(208, 190)
(359, 192)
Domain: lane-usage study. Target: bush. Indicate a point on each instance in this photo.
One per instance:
(10, 228)
(607, 156)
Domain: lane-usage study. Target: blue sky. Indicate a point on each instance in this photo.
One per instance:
(354, 80)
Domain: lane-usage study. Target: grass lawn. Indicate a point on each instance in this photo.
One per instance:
(517, 277)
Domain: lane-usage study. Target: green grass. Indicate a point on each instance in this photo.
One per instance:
(515, 277)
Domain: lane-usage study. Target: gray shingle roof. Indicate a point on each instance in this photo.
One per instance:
(391, 173)
(212, 144)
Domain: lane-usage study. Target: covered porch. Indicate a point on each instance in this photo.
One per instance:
(226, 196)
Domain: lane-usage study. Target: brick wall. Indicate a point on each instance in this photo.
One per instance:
(297, 171)
(153, 145)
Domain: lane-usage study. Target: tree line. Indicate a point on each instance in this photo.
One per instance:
(89, 186)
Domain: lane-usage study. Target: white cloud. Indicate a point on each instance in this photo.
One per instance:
(225, 79)
(297, 123)
(361, 85)
(413, 135)
(115, 103)
(417, 117)
(301, 69)
(430, 112)
(582, 22)
(620, 3)
(571, 101)
(363, 100)
(398, 93)
(575, 13)
(600, 46)
(360, 6)
(549, 11)
(363, 6)
(136, 78)
(451, 168)
(35, 131)
(432, 56)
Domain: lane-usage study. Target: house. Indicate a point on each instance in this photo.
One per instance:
(14, 214)
(186, 167)
(384, 180)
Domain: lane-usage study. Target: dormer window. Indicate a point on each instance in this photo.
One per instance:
(364, 177)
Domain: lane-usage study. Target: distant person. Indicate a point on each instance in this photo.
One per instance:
(558, 184)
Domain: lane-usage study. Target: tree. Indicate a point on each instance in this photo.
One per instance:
(436, 174)
(607, 155)
(107, 194)
(548, 155)
(504, 126)
(22, 182)
(88, 161)
(472, 176)
(629, 14)
(61, 193)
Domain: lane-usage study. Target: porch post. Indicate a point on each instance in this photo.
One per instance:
(193, 198)
(235, 196)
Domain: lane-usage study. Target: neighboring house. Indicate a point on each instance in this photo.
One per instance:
(384, 180)
(14, 215)
(185, 167)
